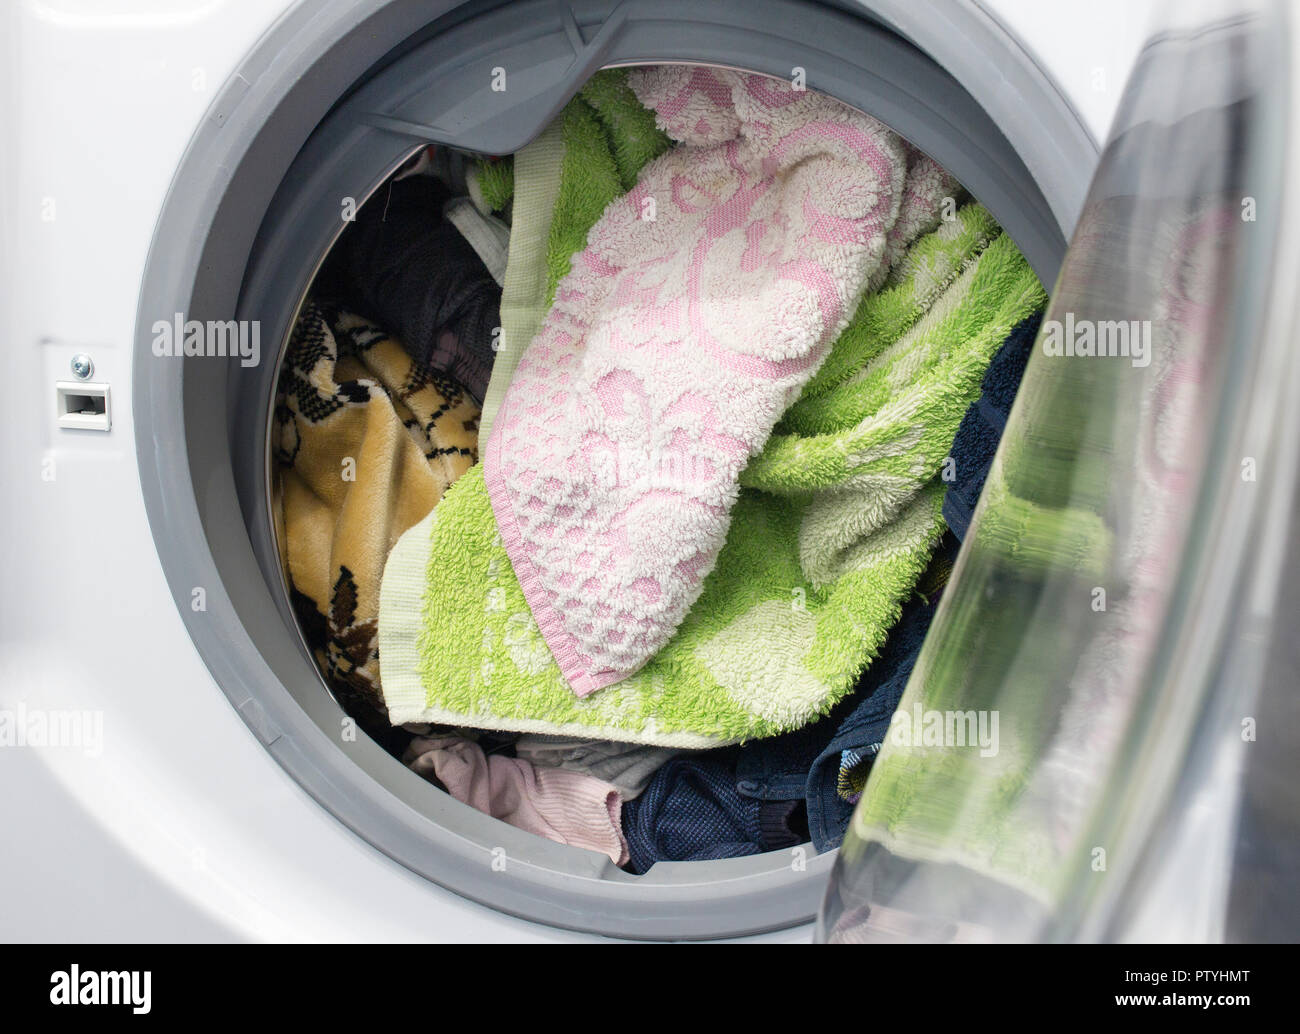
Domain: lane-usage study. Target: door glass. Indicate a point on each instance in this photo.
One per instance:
(1042, 734)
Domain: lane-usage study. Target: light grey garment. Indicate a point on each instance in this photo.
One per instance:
(627, 766)
(486, 234)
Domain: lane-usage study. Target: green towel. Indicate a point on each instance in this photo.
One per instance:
(926, 270)
(560, 184)
(897, 416)
(781, 631)
(493, 180)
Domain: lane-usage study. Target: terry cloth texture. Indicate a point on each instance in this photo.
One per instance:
(402, 264)
(770, 645)
(560, 184)
(691, 811)
(366, 444)
(567, 807)
(491, 183)
(981, 428)
(833, 399)
(702, 304)
(928, 193)
(628, 766)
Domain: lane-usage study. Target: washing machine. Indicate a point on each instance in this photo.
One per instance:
(190, 156)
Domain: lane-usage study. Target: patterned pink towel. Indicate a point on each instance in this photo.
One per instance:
(704, 300)
(927, 187)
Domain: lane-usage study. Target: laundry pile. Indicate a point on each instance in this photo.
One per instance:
(630, 534)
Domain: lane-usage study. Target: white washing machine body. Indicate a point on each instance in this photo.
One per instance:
(170, 819)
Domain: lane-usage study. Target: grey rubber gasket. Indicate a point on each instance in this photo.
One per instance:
(327, 103)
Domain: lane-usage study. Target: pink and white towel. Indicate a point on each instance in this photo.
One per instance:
(928, 186)
(703, 302)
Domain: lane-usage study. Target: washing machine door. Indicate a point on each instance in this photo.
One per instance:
(1068, 760)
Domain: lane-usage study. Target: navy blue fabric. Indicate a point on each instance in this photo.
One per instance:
(691, 811)
(776, 769)
(981, 428)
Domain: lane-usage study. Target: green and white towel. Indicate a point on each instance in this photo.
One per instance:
(831, 531)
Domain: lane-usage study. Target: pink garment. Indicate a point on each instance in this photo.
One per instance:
(567, 807)
(703, 302)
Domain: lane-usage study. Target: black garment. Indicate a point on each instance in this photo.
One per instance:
(404, 266)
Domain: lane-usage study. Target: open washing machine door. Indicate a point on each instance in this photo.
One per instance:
(337, 96)
(1103, 682)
